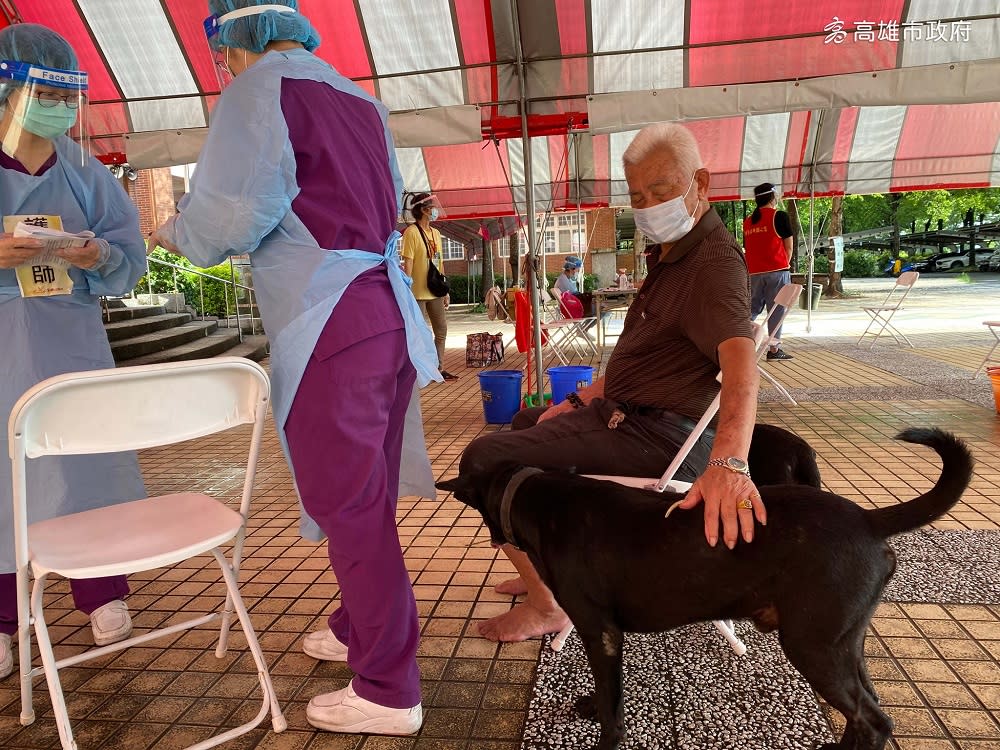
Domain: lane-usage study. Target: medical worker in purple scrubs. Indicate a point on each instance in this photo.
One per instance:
(299, 171)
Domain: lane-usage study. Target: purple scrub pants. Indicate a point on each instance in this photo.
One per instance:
(88, 594)
(345, 435)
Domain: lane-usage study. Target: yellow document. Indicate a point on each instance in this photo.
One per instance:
(45, 275)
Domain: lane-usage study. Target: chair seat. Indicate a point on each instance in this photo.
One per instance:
(130, 537)
(882, 308)
(991, 323)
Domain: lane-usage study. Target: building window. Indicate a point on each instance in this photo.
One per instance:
(502, 248)
(453, 250)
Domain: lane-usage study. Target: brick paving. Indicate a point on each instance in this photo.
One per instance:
(936, 666)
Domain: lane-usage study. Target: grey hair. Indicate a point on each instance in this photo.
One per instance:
(669, 137)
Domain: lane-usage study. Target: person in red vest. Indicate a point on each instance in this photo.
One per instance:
(767, 240)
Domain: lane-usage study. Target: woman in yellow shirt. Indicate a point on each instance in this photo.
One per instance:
(421, 242)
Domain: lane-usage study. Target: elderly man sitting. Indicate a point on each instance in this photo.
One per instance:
(691, 318)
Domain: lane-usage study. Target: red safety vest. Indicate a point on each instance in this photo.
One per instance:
(765, 250)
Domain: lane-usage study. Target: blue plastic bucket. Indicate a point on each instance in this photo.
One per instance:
(501, 391)
(568, 379)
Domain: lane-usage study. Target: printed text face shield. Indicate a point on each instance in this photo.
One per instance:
(43, 104)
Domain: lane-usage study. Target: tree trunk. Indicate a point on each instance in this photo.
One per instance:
(487, 256)
(514, 259)
(834, 285)
(894, 199)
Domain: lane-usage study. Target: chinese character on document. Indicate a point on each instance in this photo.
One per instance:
(37, 221)
(42, 274)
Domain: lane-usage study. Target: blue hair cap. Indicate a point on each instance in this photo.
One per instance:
(36, 44)
(254, 33)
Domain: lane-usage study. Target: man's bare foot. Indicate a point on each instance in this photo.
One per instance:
(523, 622)
(512, 587)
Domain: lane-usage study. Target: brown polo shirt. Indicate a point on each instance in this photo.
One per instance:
(691, 301)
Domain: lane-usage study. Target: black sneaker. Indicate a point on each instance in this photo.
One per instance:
(779, 354)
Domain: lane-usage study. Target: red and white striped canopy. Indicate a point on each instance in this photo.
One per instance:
(857, 96)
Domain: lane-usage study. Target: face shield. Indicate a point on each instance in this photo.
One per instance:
(425, 204)
(44, 103)
(222, 54)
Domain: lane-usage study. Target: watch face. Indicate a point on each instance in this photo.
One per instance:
(737, 464)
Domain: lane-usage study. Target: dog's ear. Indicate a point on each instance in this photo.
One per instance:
(456, 484)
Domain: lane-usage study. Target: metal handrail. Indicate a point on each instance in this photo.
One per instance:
(201, 290)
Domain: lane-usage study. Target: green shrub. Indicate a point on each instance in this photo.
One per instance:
(860, 265)
(216, 296)
(164, 279)
(821, 264)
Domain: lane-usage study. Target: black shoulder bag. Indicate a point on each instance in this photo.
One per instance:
(437, 282)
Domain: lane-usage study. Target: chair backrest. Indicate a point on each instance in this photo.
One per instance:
(787, 296)
(899, 290)
(106, 411)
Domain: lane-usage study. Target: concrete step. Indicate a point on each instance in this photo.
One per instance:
(123, 312)
(157, 341)
(221, 341)
(134, 327)
(253, 347)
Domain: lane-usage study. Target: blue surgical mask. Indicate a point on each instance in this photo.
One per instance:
(667, 221)
(434, 214)
(46, 122)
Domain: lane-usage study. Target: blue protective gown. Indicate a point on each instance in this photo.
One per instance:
(241, 202)
(46, 336)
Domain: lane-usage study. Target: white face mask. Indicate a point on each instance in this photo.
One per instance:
(434, 214)
(667, 221)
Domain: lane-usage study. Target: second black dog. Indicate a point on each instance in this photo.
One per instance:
(816, 572)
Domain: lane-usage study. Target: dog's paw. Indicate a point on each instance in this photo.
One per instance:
(586, 707)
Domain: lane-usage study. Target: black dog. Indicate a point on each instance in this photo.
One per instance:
(816, 571)
(778, 456)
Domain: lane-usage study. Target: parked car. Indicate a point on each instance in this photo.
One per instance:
(962, 259)
(928, 262)
(992, 263)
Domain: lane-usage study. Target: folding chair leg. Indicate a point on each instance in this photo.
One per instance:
(728, 631)
(49, 664)
(781, 389)
(24, 646)
(278, 721)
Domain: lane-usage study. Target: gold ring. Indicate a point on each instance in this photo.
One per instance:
(745, 504)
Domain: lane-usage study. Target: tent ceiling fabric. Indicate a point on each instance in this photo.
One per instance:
(852, 98)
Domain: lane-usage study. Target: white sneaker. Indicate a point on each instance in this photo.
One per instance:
(325, 646)
(111, 623)
(345, 711)
(6, 656)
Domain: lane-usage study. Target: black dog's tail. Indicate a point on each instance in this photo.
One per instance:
(956, 473)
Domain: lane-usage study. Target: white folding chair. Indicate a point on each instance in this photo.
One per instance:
(881, 315)
(140, 407)
(993, 326)
(786, 298)
(666, 482)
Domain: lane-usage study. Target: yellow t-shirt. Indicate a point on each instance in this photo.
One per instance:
(415, 251)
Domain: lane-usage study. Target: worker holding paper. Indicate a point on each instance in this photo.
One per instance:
(50, 288)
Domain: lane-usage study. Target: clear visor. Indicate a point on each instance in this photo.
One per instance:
(417, 205)
(223, 70)
(44, 104)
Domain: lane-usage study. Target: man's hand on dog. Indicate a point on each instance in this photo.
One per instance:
(723, 491)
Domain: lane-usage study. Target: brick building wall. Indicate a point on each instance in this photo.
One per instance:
(153, 194)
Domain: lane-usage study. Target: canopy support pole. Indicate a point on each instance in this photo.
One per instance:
(533, 284)
(812, 220)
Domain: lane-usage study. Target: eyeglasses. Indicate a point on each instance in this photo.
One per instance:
(51, 99)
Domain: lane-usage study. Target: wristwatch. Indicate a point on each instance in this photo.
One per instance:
(737, 465)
